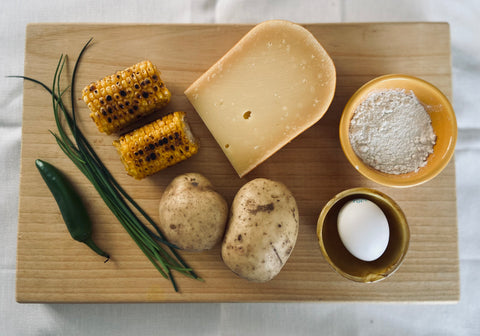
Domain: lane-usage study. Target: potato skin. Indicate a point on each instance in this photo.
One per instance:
(262, 230)
(193, 215)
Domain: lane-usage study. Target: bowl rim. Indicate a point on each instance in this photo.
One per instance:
(392, 180)
(362, 191)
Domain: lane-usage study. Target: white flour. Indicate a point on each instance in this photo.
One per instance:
(391, 132)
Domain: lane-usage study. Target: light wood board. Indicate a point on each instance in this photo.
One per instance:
(53, 268)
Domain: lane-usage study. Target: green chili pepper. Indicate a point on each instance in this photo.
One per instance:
(71, 206)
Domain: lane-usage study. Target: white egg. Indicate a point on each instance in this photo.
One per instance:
(363, 229)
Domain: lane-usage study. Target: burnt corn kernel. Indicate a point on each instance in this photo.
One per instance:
(145, 151)
(128, 94)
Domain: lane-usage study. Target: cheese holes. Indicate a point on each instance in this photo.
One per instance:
(247, 115)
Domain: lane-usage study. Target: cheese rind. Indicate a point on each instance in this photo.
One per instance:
(276, 82)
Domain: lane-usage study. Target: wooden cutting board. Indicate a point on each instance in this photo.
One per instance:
(52, 267)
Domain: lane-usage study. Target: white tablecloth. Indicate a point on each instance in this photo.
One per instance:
(239, 319)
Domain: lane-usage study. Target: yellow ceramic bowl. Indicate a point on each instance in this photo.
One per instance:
(443, 121)
(342, 261)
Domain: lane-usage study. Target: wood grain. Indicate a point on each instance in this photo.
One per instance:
(53, 268)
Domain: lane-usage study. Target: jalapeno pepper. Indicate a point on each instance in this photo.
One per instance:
(70, 204)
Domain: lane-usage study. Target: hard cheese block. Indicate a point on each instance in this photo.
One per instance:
(276, 82)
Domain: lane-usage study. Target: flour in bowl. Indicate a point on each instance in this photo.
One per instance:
(391, 132)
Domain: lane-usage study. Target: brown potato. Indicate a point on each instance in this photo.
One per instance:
(193, 215)
(262, 230)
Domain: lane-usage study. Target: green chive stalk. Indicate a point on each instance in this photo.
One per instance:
(162, 254)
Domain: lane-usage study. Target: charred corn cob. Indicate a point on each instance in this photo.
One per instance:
(157, 145)
(119, 99)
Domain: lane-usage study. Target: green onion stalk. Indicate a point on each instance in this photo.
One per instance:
(161, 253)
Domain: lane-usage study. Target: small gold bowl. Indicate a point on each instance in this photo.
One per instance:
(342, 261)
(443, 122)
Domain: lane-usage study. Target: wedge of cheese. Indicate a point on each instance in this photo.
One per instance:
(276, 82)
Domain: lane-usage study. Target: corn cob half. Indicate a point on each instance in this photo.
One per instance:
(119, 99)
(157, 145)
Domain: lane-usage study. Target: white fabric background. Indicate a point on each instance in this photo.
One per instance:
(250, 319)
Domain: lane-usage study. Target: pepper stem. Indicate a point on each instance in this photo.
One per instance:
(96, 249)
